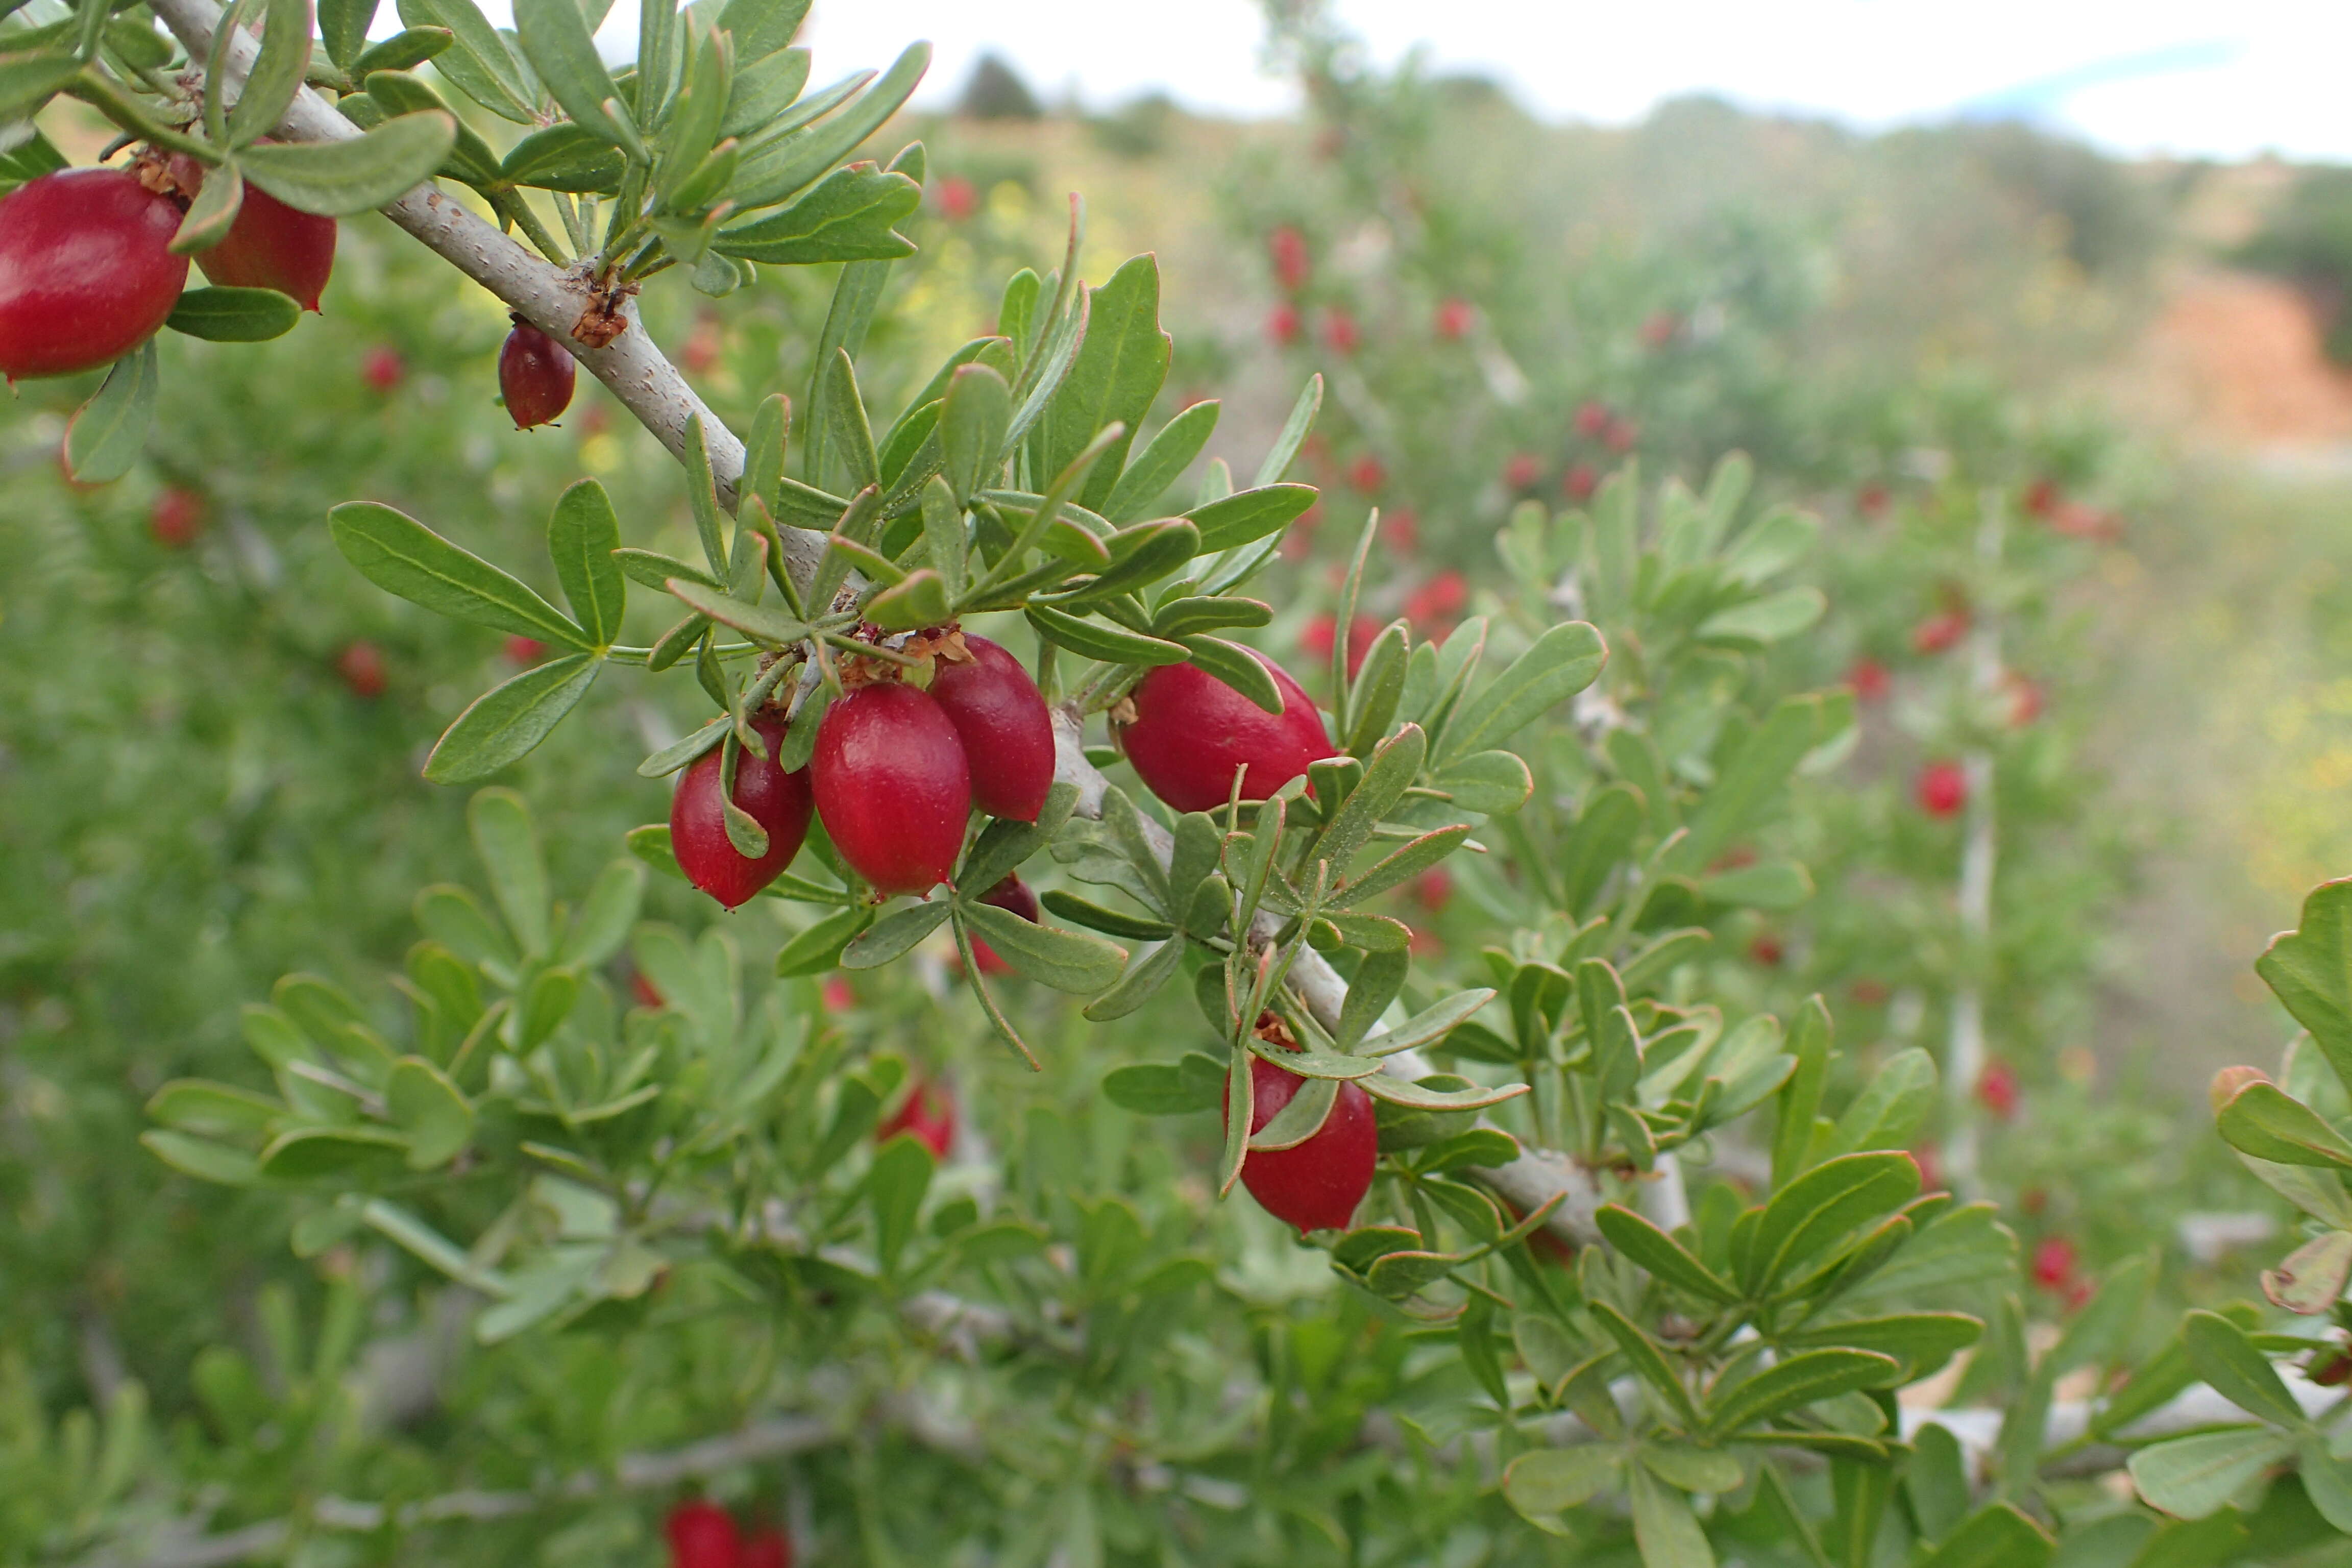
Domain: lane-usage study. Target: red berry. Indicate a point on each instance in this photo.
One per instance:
(701, 350)
(1522, 471)
(1942, 789)
(839, 997)
(1940, 632)
(1434, 889)
(381, 369)
(1870, 679)
(1930, 1161)
(929, 1113)
(2024, 700)
(769, 1549)
(535, 374)
(1317, 1185)
(1454, 320)
(1282, 325)
(1998, 1089)
(958, 198)
(1191, 733)
(2041, 498)
(176, 517)
(1872, 500)
(1401, 531)
(701, 1535)
(269, 244)
(647, 993)
(1321, 633)
(1368, 474)
(1580, 481)
(1766, 951)
(1621, 435)
(361, 664)
(1592, 417)
(776, 800)
(1007, 736)
(2053, 1263)
(1290, 260)
(892, 787)
(1659, 330)
(85, 276)
(1436, 602)
(1340, 333)
(525, 651)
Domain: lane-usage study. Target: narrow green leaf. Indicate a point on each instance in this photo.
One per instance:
(107, 433)
(1666, 1259)
(1803, 1379)
(894, 934)
(1252, 515)
(1149, 473)
(851, 216)
(341, 179)
(403, 556)
(277, 73)
(582, 536)
(1562, 662)
(2225, 1358)
(234, 315)
(2192, 1477)
(1293, 435)
(478, 63)
(428, 1108)
(1064, 960)
(2263, 1121)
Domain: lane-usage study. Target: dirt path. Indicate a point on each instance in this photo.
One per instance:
(2236, 358)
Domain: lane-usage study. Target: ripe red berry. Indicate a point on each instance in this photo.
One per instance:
(1454, 320)
(1942, 789)
(1317, 1185)
(929, 1113)
(838, 994)
(525, 651)
(2053, 1263)
(701, 1535)
(85, 274)
(1998, 1089)
(1621, 435)
(1191, 733)
(176, 517)
(769, 1549)
(1433, 889)
(892, 787)
(1766, 950)
(958, 197)
(1368, 474)
(535, 375)
(1282, 325)
(1321, 633)
(1340, 333)
(647, 993)
(2024, 699)
(1435, 603)
(1290, 259)
(776, 800)
(2041, 498)
(1660, 328)
(1522, 471)
(381, 369)
(1401, 531)
(361, 664)
(1871, 680)
(269, 244)
(1940, 632)
(1592, 417)
(1001, 719)
(1872, 500)
(1580, 481)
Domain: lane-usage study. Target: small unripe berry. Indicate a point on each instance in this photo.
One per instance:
(535, 375)
(269, 244)
(361, 664)
(1193, 733)
(701, 1535)
(929, 1112)
(86, 274)
(892, 787)
(839, 997)
(1001, 719)
(176, 517)
(1942, 789)
(1317, 1185)
(776, 800)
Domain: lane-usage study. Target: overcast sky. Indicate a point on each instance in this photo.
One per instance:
(2182, 75)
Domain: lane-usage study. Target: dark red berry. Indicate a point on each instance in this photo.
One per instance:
(535, 375)
(892, 787)
(176, 517)
(85, 274)
(776, 800)
(1317, 1185)
(361, 664)
(269, 244)
(701, 1535)
(929, 1113)
(769, 1549)
(1191, 733)
(1007, 735)
(1942, 789)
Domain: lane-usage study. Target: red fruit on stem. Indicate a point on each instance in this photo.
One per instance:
(769, 1549)
(1454, 320)
(1659, 330)
(176, 517)
(1766, 951)
(1340, 333)
(2053, 1263)
(1592, 417)
(892, 787)
(1998, 1089)
(1323, 632)
(1872, 500)
(1193, 733)
(839, 997)
(381, 369)
(535, 375)
(1368, 474)
(1290, 260)
(1621, 435)
(1282, 325)
(1942, 789)
(1580, 481)
(2041, 498)
(929, 1113)
(1436, 602)
(85, 274)
(361, 664)
(1433, 889)
(525, 651)
(1522, 471)
(1938, 633)
(776, 800)
(701, 1535)
(958, 198)
(1007, 736)
(269, 244)
(1401, 531)
(1317, 1185)
(1871, 680)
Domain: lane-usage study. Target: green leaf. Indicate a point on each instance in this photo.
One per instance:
(1113, 922)
(1251, 514)
(2265, 1121)
(563, 157)
(1151, 471)
(972, 421)
(1166, 1088)
(1805, 1378)
(277, 73)
(1064, 960)
(1293, 434)
(397, 93)
(773, 170)
(1098, 639)
(1823, 1206)
(234, 315)
(30, 77)
(506, 722)
(1693, 1470)
(1890, 1107)
(1649, 1362)
(1748, 781)
(1759, 623)
(479, 62)
(2309, 970)
(1115, 378)
(210, 217)
(1768, 884)
(556, 39)
(1491, 784)
(2225, 1358)
(1182, 618)
(752, 620)
(307, 1154)
(582, 536)
(214, 1110)
(1922, 1341)
(403, 556)
(1664, 1528)
(1144, 977)
(428, 1107)
(1428, 1026)
(895, 933)
(1561, 663)
(1800, 1098)
(1666, 1259)
(507, 842)
(1397, 1275)
(405, 50)
(821, 945)
(1995, 1537)
(342, 179)
(760, 27)
(1549, 1481)
(2312, 1278)
(851, 216)
(894, 1185)
(920, 599)
(107, 432)
(203, 1159)
(2192, 1477)
(1237, 667)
